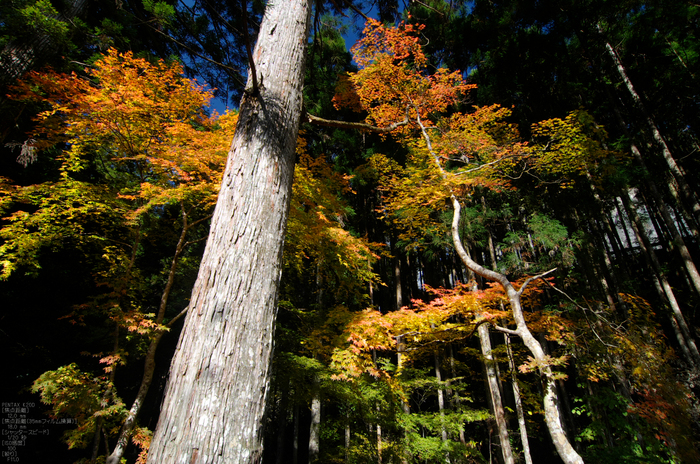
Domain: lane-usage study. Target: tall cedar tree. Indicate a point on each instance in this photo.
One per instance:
(215, 398)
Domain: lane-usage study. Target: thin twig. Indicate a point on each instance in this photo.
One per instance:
(194, 52)
(530, 279)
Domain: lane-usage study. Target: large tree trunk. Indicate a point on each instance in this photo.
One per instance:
(215, 398)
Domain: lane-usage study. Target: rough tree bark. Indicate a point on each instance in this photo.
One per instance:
(215, 398)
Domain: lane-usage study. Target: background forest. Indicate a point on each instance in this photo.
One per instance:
(555, 147)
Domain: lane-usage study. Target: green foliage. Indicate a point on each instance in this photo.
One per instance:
(545, 244)
(24, 18)
(67, 213)
(611, 423)
(43, 17)
(78, 395)
(318, 247)
(163, 12)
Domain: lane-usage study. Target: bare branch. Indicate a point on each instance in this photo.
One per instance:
(190, 242)
(530, 279)
(566, 295)
(354, 125)
(355, 9)
(194, 52)
(198, 221)
(504, 330)
(176, 318)
(429, 7)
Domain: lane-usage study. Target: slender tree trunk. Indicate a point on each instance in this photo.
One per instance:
(315, 427)
(441, 396)
(625, 227)
(215, 398)
(485, 341)
(454, 396)
(550, 400)
(604, 269)
(347, 440)
(379, 441)
(405, 407)
(397, 279)
(96, 440)
(150, 361)
(295, 432)
(676, 170)
(520, 412)
(496, 401)
(683, 334)
(280, 457)
(602, 230)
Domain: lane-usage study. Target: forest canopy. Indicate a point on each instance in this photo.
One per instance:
(489, 252)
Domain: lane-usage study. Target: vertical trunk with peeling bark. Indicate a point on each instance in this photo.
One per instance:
(215, 398)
